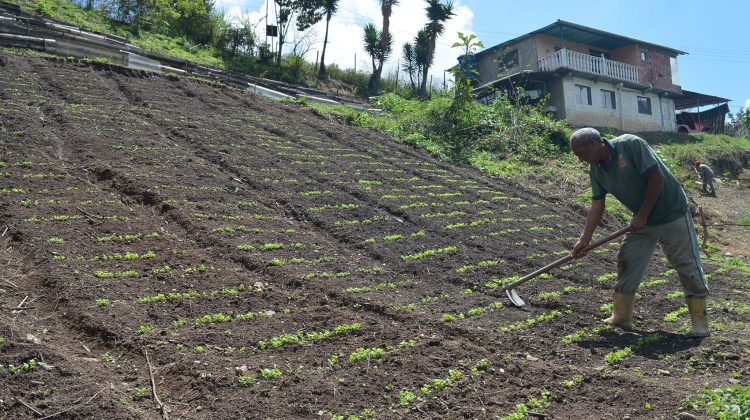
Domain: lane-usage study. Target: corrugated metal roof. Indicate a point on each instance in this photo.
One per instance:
(690, 99)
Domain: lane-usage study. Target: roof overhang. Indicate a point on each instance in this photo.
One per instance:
(690, 99)
(520, 78)
(569, 31)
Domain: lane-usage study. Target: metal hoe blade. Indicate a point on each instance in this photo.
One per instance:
(515, 299)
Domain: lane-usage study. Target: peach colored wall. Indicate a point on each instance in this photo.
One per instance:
(657, 69)
(651, 69)
(627, 54)
(546, 45)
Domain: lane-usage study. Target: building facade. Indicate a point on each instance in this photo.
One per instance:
(589, 77)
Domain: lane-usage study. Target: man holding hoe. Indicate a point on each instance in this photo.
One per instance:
(628, 168)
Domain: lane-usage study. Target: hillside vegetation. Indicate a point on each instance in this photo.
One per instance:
(178, 246)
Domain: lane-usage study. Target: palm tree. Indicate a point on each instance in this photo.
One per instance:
(421, 52)
(386, 7)
(330, 7)
(374, 48)
(437, 14)
(372, 44)
(410, 63)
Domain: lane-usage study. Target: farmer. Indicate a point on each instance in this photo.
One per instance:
(629, 169)
(707, 176)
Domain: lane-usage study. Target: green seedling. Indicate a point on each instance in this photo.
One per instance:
(272, 373)
(618, 356)
(145, 329)
(429, 253)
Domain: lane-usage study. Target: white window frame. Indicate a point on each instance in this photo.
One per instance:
(609, 101)
(579, 97)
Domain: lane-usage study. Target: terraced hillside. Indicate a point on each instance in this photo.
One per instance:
(247, 258)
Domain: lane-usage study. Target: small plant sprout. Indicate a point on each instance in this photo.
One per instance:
(106, 357)
(139, 393)
(145, 329)
(56, 240)
(272, 373)
(247, 380)
(406, 398)
(617, 356)
(480, 367)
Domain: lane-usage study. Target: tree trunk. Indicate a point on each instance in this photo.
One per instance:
(384, 35)
(430, 52)
(322, 71)
(372, 84)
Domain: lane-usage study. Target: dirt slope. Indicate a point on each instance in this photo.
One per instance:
(226, 236)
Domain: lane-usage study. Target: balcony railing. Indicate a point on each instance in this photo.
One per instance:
(600, 66)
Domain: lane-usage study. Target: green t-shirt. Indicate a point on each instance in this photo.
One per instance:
(625, 177)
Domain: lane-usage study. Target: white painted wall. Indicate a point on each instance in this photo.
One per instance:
(625, 117)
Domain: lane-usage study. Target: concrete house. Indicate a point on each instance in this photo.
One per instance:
(591, 77)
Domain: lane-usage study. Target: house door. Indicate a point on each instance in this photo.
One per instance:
(667, 115)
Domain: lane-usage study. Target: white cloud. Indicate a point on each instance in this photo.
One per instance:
(345, 31)
(747, 104)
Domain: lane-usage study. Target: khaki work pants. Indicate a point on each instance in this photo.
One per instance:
(679, 244)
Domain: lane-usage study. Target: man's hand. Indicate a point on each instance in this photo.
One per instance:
(578, 247)
(638, 223)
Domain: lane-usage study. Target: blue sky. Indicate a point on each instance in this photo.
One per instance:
(714, 34)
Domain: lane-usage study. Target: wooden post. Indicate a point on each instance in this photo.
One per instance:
(705, 230)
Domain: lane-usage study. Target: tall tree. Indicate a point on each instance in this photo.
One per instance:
(374, 48)
(386, 8)
(330, 7)
(437, 14)
(421, 52)
(308, 13)
(410, 63)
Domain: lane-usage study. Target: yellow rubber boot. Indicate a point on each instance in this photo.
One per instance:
(697, 309)
(622, 311)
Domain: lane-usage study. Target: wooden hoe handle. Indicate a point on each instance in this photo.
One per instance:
(565, 259)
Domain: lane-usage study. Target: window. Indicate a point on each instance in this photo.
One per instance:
(608, 99)
(597, 53)
(644, 105)
(508, 60)
(644, 55)
(583, 95)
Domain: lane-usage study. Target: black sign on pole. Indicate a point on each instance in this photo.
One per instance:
(272, 30)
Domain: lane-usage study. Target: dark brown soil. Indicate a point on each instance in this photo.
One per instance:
(220, 234)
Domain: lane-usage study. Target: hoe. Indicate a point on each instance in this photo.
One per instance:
(510, 288)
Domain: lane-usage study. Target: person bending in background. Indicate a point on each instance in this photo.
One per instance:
(707, 177)
(628, 168)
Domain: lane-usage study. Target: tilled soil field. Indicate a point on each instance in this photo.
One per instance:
(250, 259)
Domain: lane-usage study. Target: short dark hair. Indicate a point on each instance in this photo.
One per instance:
(585, 135)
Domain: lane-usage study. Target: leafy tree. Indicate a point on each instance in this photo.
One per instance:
(374, 48)
(308, 13)
(410, 63)
(236, 40)
(437, 14)
(386, 7)
(421, 53)
(330, 7)
(194, 19)
(461, 115)
(415, 59)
